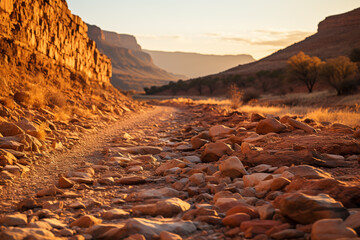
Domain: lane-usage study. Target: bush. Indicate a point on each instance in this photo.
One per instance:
(235, 96)
(340, 74)
(304, 68)
(250, 94)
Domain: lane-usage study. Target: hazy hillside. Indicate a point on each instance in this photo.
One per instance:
(194, 64)
(337, 36)
(132, 68)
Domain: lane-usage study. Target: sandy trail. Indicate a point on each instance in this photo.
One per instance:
(88, 150)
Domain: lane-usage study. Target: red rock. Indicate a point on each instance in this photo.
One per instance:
(269, 125)
(85, 221)
(259, 226)
(10, 129)
(213, 151)
(65, 183)
(234, 220)
(243, 208)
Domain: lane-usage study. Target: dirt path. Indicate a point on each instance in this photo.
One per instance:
(87, 151)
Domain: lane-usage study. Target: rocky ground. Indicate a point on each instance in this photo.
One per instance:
(186, 172)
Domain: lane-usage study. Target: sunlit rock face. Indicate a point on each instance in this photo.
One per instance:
(46, 33)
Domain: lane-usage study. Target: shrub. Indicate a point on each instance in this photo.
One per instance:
(235, 96)
(249, 94)
(340, 74)
(304, 68)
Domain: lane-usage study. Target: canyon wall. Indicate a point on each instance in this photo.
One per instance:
(45, 32)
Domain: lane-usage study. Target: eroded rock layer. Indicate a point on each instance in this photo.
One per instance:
(45, 32)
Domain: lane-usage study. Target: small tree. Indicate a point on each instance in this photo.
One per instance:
(304, 68)
(339, 73)
(235, 96)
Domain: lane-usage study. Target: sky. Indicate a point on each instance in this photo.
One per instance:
(256, 27)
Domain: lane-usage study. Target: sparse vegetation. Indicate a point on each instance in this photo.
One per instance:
(340, 73)
(304, 68)
(235, 96)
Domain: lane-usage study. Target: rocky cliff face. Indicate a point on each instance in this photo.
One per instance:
(132, 68)
(341, 21)
(45, 32)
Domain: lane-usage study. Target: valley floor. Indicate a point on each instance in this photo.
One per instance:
(192, 171)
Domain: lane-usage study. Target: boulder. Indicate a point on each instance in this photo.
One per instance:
(10, 129)
(299, 125)
(27, 233)
(256, 117)
(115, 214)
(353, 221)
(307, 209)
(232, 167)
(6, 158)
(331, 229)
(308, 172)
(214, 151)
(165, 208)
(16, 219)
(219, 131)
(149, 228)
(234, 220)
(269, 125)
(85, 221)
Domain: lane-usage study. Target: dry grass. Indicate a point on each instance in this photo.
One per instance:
(350, 117)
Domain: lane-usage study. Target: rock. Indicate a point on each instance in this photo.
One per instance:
(115, 214)
(165, 208)
(213, 151)
(149, 228)
(258, 226)
(296, 124)
(52, 191)
(26, 204)
(76, 205)
(279, 183)
(169, 236)
(264, 186)
(234, 220)
(154, 193)
(109, 181)
(266, 211)
(269, 125)
(6, 158)
(288, 234)
(357, 133)
(308, 172)
(10, 129)
(135, 237)
(353, 221)
(131, 180)
(143, 150)
(65, 183)
(27, 233)
(54, 223)
(331, 229)
(307, 209)
(248, 148)
(197, 142)
(232, 167)
(254, 179)
(16, 219)
(40, 224)
(243, 208)
(197, 179)
(168, 165)
(256, 117)
(53, 205)
(219, 131)
(85, 221)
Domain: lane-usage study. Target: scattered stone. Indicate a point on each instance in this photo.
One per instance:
(234, 220)
(331, 229)
(169, 236)
(10, 129)
(309, 172)
(6, 158)
(232, 167)
(26, 233)
(65, 183)
(165, 208)
(213, 151)
(115, 214)
(131, 180)
(258, 226)
(296, 124)
(288, 234)
(307, 209)
(219, 131)
(269, 125)
(279, 183)
(16, 219)
(85, 221)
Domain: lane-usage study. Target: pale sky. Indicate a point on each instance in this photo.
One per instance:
(256, 27)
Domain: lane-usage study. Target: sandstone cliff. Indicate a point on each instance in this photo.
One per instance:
(337, 35)
(132, 68)
(45, 31)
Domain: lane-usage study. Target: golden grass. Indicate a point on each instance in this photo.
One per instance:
(350, 117)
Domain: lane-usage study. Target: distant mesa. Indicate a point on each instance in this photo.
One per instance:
(194, 64)
(132, 67)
